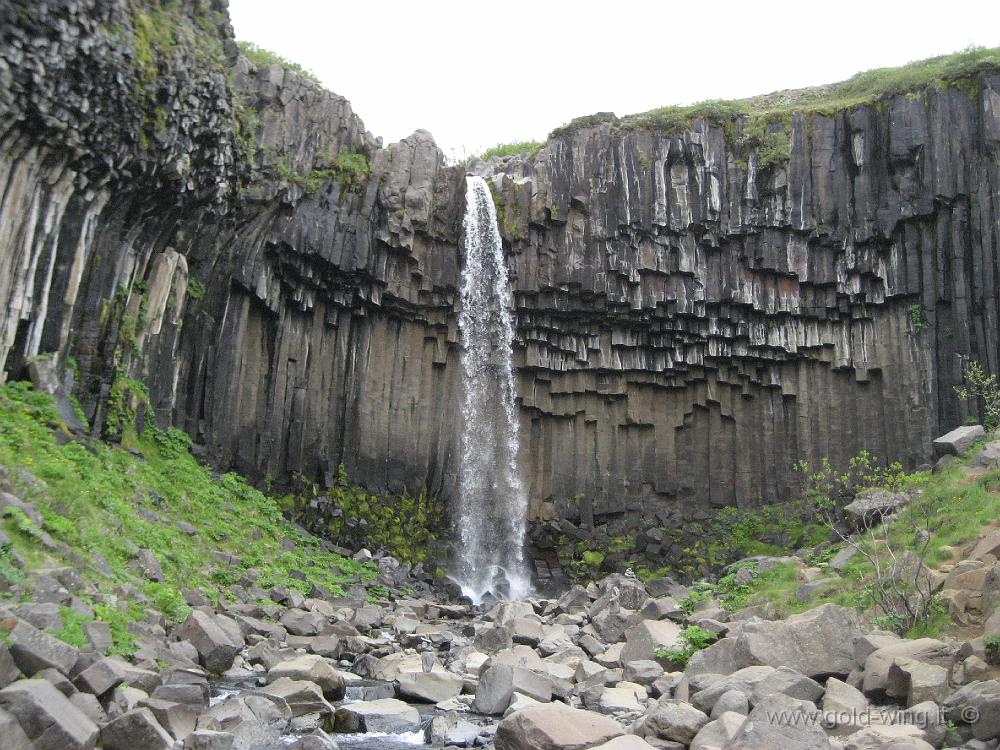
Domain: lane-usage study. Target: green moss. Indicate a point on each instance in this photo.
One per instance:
(262, 58)
(351, 167)
(87, 491)
(125, 398)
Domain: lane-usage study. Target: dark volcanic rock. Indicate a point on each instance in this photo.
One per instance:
(689, 321)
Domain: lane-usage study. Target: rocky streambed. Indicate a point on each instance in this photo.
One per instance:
(581, 671)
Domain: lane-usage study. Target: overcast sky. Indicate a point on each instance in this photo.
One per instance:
(478, 73)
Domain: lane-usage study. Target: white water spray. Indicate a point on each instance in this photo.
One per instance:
(492, 503)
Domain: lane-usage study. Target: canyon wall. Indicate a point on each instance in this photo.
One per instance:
(689, 323)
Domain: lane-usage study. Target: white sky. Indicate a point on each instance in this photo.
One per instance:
(479, 73)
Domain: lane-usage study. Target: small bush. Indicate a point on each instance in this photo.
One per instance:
(530, 148)
(695, 639)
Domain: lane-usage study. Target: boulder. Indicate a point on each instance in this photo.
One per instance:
(179, 719)
(643, 671)
(254, 719)
(844, 707)
(781, 722)
(136, 729)
(47, 717)
(312, 668)
(869, 507)
(451, 729)
(13, 736)
(217, 648)
(494, 639)
(719, 658)
(675, 720)
(643, 640)
(817, 643)
(916, 681)
(621, 699)
(102, 676)
(34, 650)
(875, 679)
(9, 671)
(498, 683)
(303, 622)
(555, 726)
(207, 739)
(731, 701)
(429, 687)
(625, 742)
(788, 682)
(302, 696)
(391, 667)
(958, 441)
(387, 715)
(976, 705)
(743, 680)
(717, 733)
(894, 737)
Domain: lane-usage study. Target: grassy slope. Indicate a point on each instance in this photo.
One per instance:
(960, 504)
(101, 500)
(864, 88)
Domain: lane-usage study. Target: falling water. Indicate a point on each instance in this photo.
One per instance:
(492, 503)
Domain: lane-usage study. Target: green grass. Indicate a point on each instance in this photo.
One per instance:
(262, 57)
(958, 69)
(100, 500)
(956, 507)
(512, 149)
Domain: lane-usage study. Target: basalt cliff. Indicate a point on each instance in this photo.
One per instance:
(691, 318)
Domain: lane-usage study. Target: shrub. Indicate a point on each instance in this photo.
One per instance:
(985, 389)
(694, 640)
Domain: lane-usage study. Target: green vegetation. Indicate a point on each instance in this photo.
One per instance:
(918, 319)
(157, 29)
(102, 504)
(262, 58)
(195, 289)
(351, 167)
(992, 643)
(512, 149)
(985, 389)
(695, 639)
(405, 524)
(762, 123)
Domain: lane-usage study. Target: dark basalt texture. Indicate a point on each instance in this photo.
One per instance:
(688, 325)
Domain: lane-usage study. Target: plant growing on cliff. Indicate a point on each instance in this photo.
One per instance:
(983, 387)
(262, 58)
(918, 319)
(530, 148)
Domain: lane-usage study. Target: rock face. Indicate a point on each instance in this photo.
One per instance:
(689, 321)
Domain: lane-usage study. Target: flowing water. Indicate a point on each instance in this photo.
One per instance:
(492, 503)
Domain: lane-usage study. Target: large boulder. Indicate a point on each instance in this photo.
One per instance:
(47, 717)
(302, 696)
(958, 441)
(303, 622)
(498, 683)
(893, 737)
(217, 646)
(555, 726)
(136, 729)
(780, 722)
(870, 507)
(451, 729)
(976, 705)
(314, 669)
(643, 640)
(103, 676)
(13, 736)
(674, 720)
(916, 681)
(429, 687)
(387, 715)
(34, 650)
(743, 681)
(718, 732)
(817, 643)
(875, 680)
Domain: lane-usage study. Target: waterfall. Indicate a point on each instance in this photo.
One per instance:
(492, 503)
